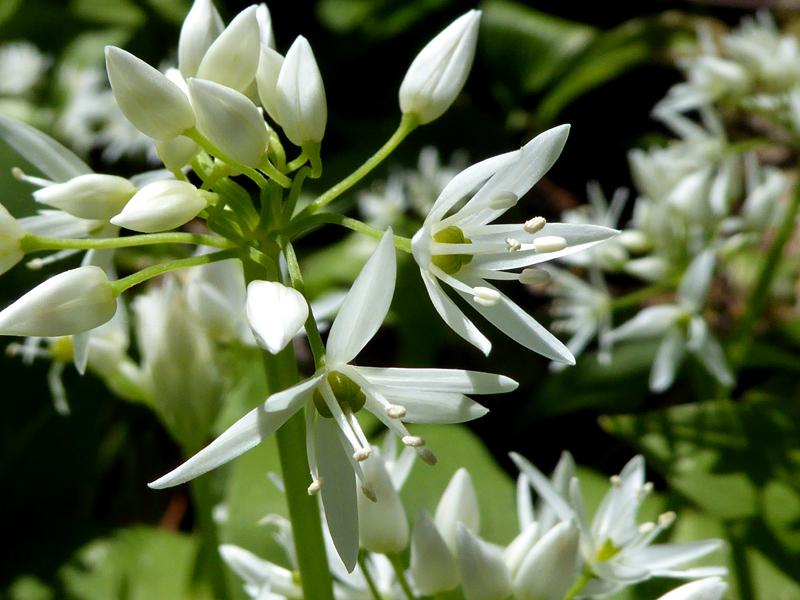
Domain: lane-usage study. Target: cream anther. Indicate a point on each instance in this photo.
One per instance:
(395, 411)
(315, 487)
(534, 225)
(513, 244)
(413, 440)
(362, 454)
(534, 277)
(549, 243)
(486, 296)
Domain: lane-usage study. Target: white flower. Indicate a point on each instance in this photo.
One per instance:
(548, 569)
(711, 588)
(683, 328)
(200, 28)
(232, 58)
(177, 152)
(263, 580)
(92, 196)
(162, 205)
(484, 575)
(21, 67)
(458, 504)
(276, 313)
(230, 120)
(11, 234)
(464, 251)
(70, 302)
(332, 396)
(439, 71)
(433, 565)
(618, 550)
(710, 78)
(300, 96)
(269, 68)
(151, 102)
(382, 524)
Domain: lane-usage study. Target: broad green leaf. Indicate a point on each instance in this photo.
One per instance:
(122, 13)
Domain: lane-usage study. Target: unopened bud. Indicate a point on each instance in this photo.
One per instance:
(91, 196)
(232, 58)
(301, 104)
(200, 28)
(161, 206)
(382, 523)
(276, 313)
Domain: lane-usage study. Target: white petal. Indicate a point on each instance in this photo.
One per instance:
(525, 512)
(232, 58)
(548, 571)
(667, 360)
(200, 28)
(276, 313)
(652, 321)
(458, 504)
(665, 556)
(432, 564)
(694, 285)
(544, 488)
(452, 315)
(515, 553)
(243, 435)
(434, 407)
(484, 575)
(338, 492)
(365, 306)
(712, 356)
(440, 380)
(704, 589)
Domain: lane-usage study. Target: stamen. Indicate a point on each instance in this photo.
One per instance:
(503, 200)
(413, 440)
(486, 296)
(645, 490)
(616, 481)
(666, 519)
(549, 243)
(395, 411)
(513, 244)
(534, 225)
(362, 454)
(427, 456)
(21, 175)
(369, 493)
(315, 487)
(35, 264)
(647, 527)
(534, 277)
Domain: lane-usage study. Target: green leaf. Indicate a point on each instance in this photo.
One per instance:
(87, 49)
(375, 18)
(8, 8)
(122, 13)
(171, 10)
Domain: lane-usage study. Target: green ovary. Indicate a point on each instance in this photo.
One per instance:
(451, 263)
(348, 394)
(607, 551)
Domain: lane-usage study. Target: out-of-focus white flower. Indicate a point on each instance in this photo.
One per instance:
(439, 71)
(276, 313)
(200, 28)
(263, 580)
(11, 234)
(300, 96)
(93, 196)
(21, 67)
(151, 102)
(70, 302)
(461, 249)
(711, 588)
(683, 328)
(230, 120)
(232, 58)
(336, 443)
(710, 78)
(162, 205)
(618, 550)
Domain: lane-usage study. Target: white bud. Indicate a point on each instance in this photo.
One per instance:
(534, 277)
(459, 503)
(230, 120)
(519, 547)
(10, 235)
(548, 571)
(432, 564)
(264, 19)
(200, 28)
(382, 525)
(439, 71)
(177, 152)
(710, 588)
(301, 104)
(484, 575)
(269, 67)
(486, 296)
(91, 196)
(70, 302)
(161, 206)
(549, 243)
(534, 225)
(232, 59)
(216, 293)
(151, 102)
(276, 313)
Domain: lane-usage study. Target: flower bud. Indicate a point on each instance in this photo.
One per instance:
(276, 313)
(301, 105)
(230, 120)
(484, 575)
(10, 235)
(382, 525)
(710, 588)
(432, 564)
(459, 503)
(68, 303)
(548, 571)
(269, 67)
(200, 28)
(160, 206)
(177, 152)
(151, 102)
(216, 293)
(439, 71)
(232, 58)
(92, 196)
(264, 19)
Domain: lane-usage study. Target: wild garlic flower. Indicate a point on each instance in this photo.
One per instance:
(21, 67)
(615, 548)
(711, 588)
(682, 327)
(336, 444)
(459, 246)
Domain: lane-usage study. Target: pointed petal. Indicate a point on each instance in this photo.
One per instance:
(440, 380)
(694, 285)
(712, 356)
(665, 556)
(434, 407)
(243, 435)
(365, 306)
(652, 321)
(525, 512)
(543, 487)
(484, 575)
(704, 589)
(668, 358)
(432, 564)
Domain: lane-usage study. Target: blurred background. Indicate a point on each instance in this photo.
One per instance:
(79, 521)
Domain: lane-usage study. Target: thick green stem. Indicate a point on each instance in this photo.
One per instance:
(33, 243)
(306, 224)
(208, 566)
(397, 565)
(123, 284)
(407, 125)
(578, 586)
(759, 294)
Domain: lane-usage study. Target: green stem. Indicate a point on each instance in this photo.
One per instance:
(33, 243)
(312, 331)
(407, 125)
(208, 567)
(274, 174)
(294, 193)
(297, 162)
(578, 586)
(373, 589)
(120, 285)
(301, 226)
(639, 296)
(397, 565)
(759, 294)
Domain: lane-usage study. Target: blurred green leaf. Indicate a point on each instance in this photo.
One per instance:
(338, 264)
(123, 13)
(87, 49)
(8, 8)
(171, 10)
(375, 18)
